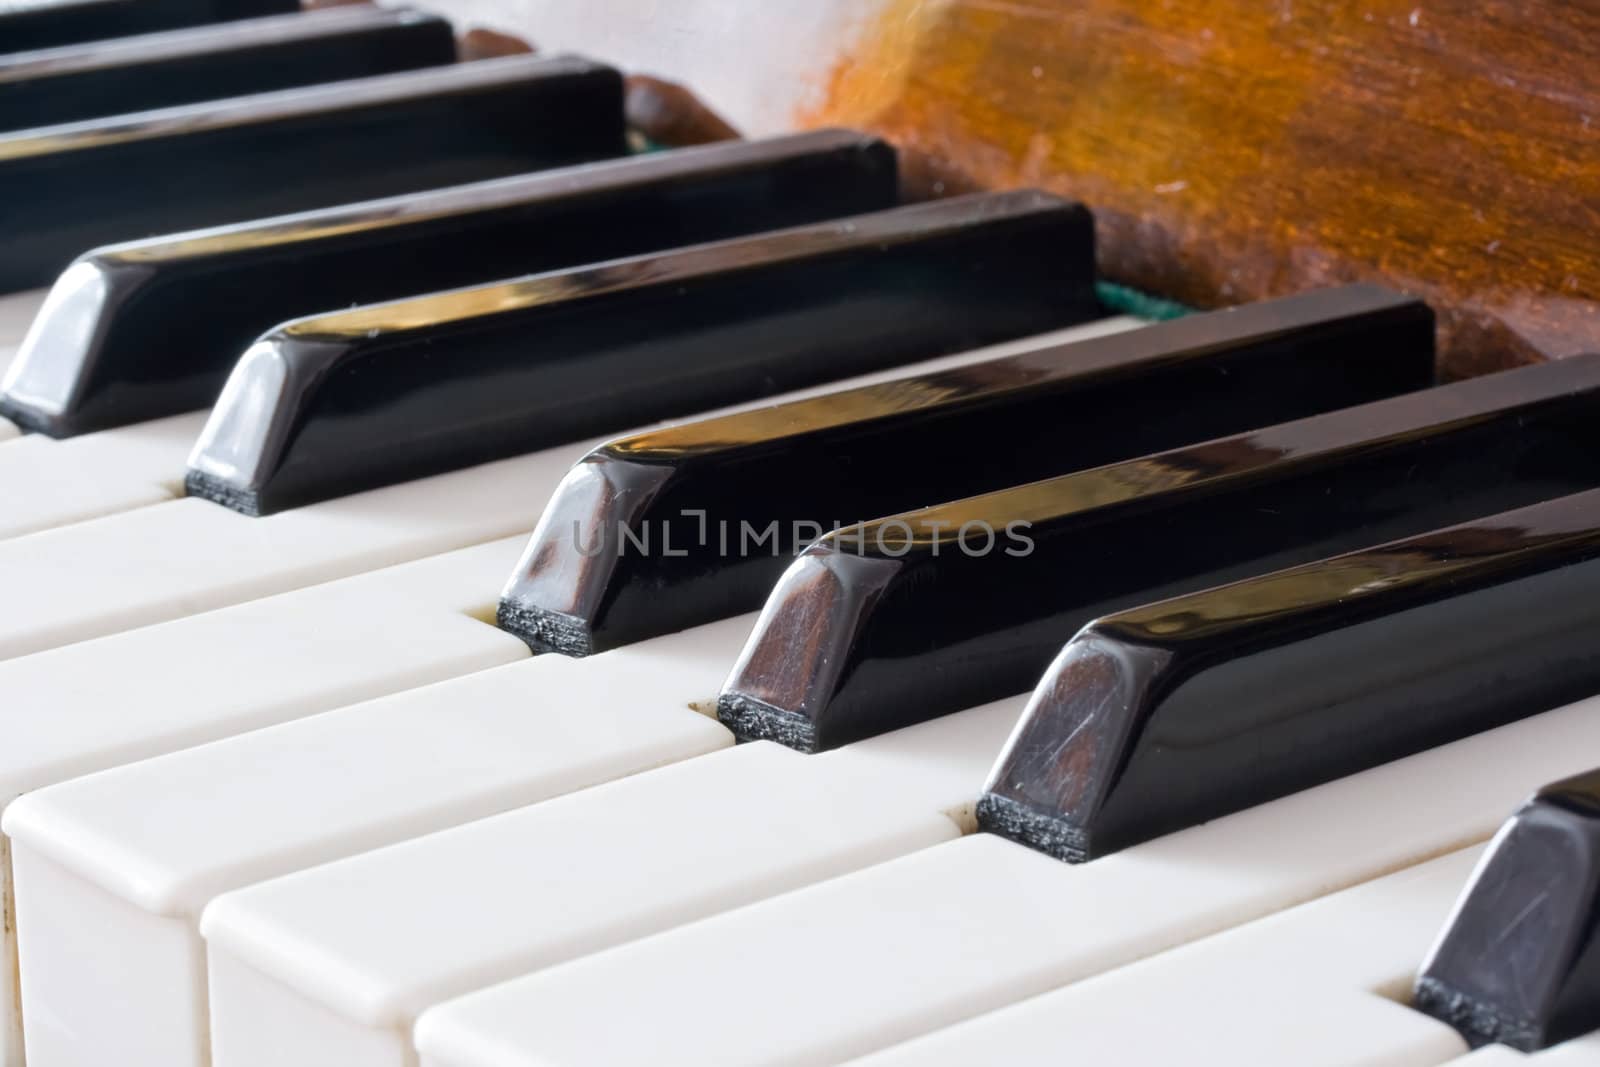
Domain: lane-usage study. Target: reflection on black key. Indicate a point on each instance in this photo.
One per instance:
(152, 327)
(904, 618)
(49, 23)
(1519, 962)
(800, 468)
(67, 189)
(233, 59)
(1168, 715)
(341, 402)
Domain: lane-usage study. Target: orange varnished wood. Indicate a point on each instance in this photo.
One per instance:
(1240, 149)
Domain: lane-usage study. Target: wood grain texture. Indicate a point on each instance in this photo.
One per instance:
(1240, 149)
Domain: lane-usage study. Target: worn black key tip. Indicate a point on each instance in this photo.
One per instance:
(555, 593)
(781, 691)
(229, 463)
(1102, 681)
(1518, 963)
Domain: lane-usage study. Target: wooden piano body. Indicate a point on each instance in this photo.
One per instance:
(1232, 150)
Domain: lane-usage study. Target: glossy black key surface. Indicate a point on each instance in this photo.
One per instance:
(1519, 961)
(348, 401)
(803, 467)
(126, 74)
(152, 328)
(67, 189)
(61, 22)
(1168, 715)
(899, 620)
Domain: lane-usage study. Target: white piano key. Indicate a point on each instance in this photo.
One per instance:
(94, 705)
(1579, 1052)
(1322, 983)
(117, 866)
(52, 483)
(16, 315)
(318, 960)
(887, 954)
(174, 559)
(17, 312)
(170, 560)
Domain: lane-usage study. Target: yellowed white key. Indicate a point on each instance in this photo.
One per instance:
(566, 878)
(51, 483)
(170, 560)
(890, 953)
(94, 705)
(16, 315)
(1319, 984)
(113, 870)
(1579, 1052)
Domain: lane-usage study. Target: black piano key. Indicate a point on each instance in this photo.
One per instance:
(113, 77)
(348, 401)
(1168, 715)
(1518, 963)
(908, 617)
(67, 189)
(152, 328)
(62, 22)
(803, 467)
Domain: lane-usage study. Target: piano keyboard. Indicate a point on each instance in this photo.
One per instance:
(693, 607)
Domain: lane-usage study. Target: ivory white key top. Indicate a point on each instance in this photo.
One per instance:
(117, 866)
(317, 968)
(1301, 987)
(185, 556)
(75, 710)
(1579, 1052)
(16, 315)
(50, 483)
(884, 955)
(169, 560)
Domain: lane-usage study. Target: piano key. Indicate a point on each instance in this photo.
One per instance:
(167, 317)
(85, 81)
(16, 312)
(118, 699)
(890, 651)
(613, 864)
(177, 558)
(159, 689)
(364, 776)
(897, 446)
(1311, 985)
(539, 359)
(1517, 962)
(1164, 716)
(186, 556)
(62, 22)
(877, 957)
(1579, 1052)
(253, 156)
(53, 483)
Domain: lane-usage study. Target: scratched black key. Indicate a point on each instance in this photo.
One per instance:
(126, 74)
(151, 328)
(67, 189)
(911, 616)
(1518, 963)
(59, 22)
(1168, 715)
(800, 468)
(341, 402)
